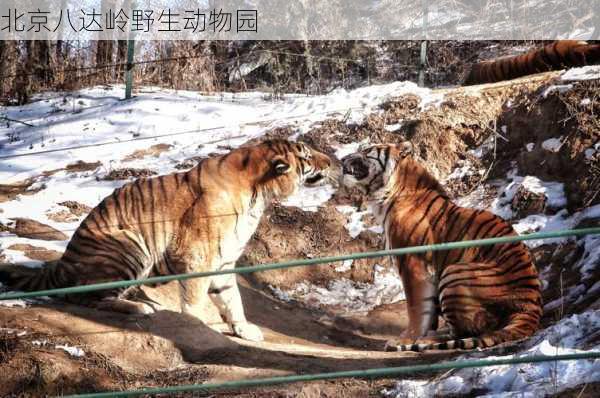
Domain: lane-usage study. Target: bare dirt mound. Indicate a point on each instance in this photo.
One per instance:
(39, 347)
(549, 133)
(287, 233)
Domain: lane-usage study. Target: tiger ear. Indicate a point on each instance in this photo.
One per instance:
(281, 167)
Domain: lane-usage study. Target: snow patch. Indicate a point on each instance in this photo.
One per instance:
(73, 351)
(355, 224)
(464, 169)
(344, 266)
(554, 192)
(589, 72)
(484, 148)
(310, 198)
(589, 153)
(552, 144)
(344, 150)
(348, 296)
(393, 127)
(560, 88)
(521, 380)
(13, 303)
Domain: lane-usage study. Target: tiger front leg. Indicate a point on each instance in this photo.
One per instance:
(421, 297)
(225, 294)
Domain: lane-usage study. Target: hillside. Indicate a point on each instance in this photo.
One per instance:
(529, 150)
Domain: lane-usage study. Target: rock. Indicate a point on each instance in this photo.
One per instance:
(526, 202)
(127, 173)
(26, 228)
(36, 252)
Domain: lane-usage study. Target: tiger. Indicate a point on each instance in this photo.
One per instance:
(194, 221)
(554, 56)
(486, 295)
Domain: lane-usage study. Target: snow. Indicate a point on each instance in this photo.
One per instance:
(310, 198)
(465, 168)
(393, 127)
(344, 266)
(356, 224)
(522, 380)
(13, 303)
(484, 148)
(205, 124)
(347, 296)
(554, 192)
(560, 88)
(344, 150)
(199, 125)
(73, 351)
(552, 144)
(589, 72)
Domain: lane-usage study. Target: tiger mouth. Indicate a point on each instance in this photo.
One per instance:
(356, 168)
(314, 179)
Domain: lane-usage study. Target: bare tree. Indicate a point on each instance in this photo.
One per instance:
(8, 67)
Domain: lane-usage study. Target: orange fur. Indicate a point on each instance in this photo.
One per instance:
(487, 295)
(193, 221)
(555, 56)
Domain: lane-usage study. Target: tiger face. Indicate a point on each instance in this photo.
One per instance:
(371, 168)
(290, 165)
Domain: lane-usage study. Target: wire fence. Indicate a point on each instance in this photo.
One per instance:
(317, 68)
(365, 373)
(362, 374)
(302, 262)
(368, 373)
(341, 111)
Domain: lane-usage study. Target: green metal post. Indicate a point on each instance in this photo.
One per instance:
(129, 71)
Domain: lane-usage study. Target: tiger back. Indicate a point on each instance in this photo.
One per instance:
(555, 56)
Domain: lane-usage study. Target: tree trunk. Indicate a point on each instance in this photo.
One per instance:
(121, 58)
(104, 57)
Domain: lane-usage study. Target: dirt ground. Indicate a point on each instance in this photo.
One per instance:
(124, 352)
(169, 348)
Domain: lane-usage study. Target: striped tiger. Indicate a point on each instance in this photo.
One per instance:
(193, 221)
(555, 56)
(487, 295)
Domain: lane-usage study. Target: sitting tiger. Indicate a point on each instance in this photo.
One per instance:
(193, 221)
(487, 295)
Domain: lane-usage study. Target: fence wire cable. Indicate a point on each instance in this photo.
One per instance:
(301, 262)
(364, 373)
(221, 127)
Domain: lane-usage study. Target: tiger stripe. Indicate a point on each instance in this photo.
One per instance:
(555, 56)
(193, 221)
(487, 295)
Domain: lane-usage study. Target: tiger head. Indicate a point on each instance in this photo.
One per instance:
(372, 168)
(285, 166)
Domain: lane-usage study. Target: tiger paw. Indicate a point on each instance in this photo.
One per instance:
(247, 331)
(390, 346)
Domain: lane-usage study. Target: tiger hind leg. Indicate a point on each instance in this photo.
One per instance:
(480, 310)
